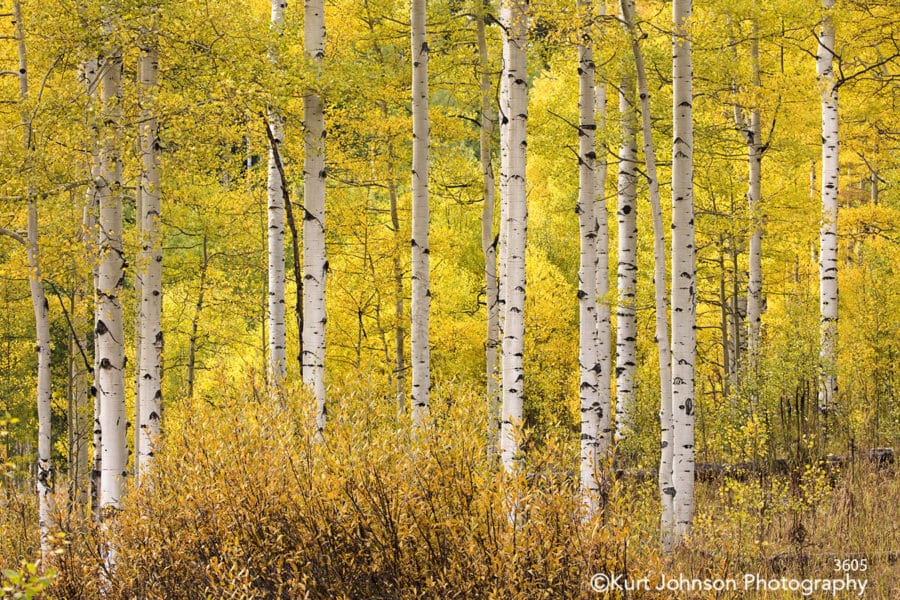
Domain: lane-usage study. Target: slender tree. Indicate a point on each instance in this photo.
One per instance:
(150, 261)
(488, 241)
(828, 246)
(38, 301)
(661, 301)
(420, 353)
(626, 314)
(315, 264)
(277, 364)
(601, 214)
(513, 286)
(588, 344)
(109, 329)
(684, 343)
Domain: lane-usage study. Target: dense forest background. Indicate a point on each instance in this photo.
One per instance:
(218, 82)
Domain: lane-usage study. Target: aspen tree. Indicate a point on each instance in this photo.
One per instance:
(315, 264)
(488, 242)
(109, 329)
(420, 352)
(661, 302)
(601, 214)
(277, 364)
(626, 315)
(684, 343)
(588, 343)
(513, 375)
(150, 261)
(828, 246)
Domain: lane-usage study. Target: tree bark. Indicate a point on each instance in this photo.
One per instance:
(109, 329)
(420, 307)
(828, 246)
(601, 214)
(661, 301)
(626, 315)
(588, 344)
(684, 344)
(315, 264)
(150, 262)
(513, 375)
(41, 309)
(277, 363)
(488, 242)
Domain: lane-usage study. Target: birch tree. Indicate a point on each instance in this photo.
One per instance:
(626, 315)
(588, 343)
(661, 302)
(420, 353)
(488, 242)
(513, 287)
(277, 364)
(109, 327)
(828, 247)
(315, 264)
(150, 260)
(684, 344)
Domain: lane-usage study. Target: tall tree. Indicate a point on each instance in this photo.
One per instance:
(601, 214)
(588, 343)
(109, 328)
(661, 302)
(488, 241)
(684, 342)
(513, 285)
(315, 264)
(828, 246)
(626, 313)
(38, 302)
(277, 364)
(420, 352)
(150, 260)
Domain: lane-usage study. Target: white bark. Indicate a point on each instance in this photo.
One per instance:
(277, 365)
(517, 217)
(753, 137)
(588, 349)
(488, 244)
(39, 304)
(420, 306)
(626, 316)
(150, 262)
(684, 344)
(661, 302)
(828, 246)
(604, 329)
(109, 330)
(315, 264)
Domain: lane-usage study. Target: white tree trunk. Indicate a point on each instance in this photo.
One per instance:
(604, 329)
(277, 364)
(517, 218)
(315, 264)
(753, 137)
(684, 344)
(39, 304)
(488, 244)
(661, 302)
(109, 329)
(626, 316)
(91, 237)
(828, 245)
(588, 348)
(150, 262)
(420, 306)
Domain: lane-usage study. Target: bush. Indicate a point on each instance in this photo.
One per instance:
(243, 504)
